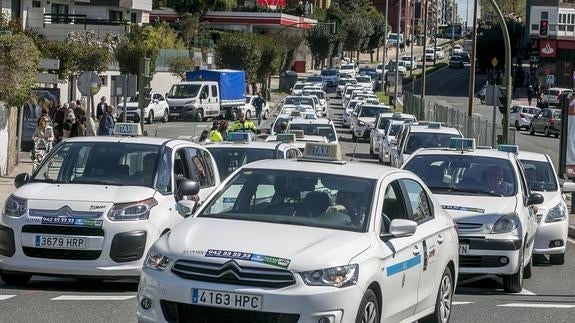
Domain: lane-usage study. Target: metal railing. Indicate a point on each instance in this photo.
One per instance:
(53, 18)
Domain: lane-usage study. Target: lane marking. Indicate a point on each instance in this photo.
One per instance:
(92, 298)
(571, 240)
(538, 305)
(5, 297)
(462, 303)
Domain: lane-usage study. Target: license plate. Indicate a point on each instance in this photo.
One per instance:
(174, 114)
(225, 299)
(463, 249)
(60, 242)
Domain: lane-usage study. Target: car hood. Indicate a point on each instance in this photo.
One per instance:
(89, 192)
(367, 120)
(306, 248)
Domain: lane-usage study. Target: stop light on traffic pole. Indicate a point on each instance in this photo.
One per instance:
(543, 27)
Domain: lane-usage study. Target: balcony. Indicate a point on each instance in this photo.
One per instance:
(57, 26)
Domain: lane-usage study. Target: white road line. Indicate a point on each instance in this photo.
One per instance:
(5, 297)
(571, 240)
(92, 298)
(538, 305)
(462, 303)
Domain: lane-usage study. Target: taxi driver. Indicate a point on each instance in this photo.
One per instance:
(493, 181)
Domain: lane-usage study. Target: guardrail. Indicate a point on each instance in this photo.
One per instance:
(53, 18)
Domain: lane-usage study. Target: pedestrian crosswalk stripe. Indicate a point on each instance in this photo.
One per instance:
(538, 305)
(92, 297)
(461, 303)
(5, 297)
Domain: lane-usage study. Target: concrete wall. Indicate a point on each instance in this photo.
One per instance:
(8, 133)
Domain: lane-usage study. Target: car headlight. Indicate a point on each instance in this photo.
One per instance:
(506, 223)
(341, 276)
(15, 206)
(132, 211)
(156, 261)
(557, 213)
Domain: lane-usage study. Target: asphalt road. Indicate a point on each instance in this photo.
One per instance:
(549, 296)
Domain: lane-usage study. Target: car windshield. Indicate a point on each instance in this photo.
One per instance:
(299, 86)
(315, 79)
(540, 176)
(465, 174)
(315, 129)
(229, 159)
(318, 94)
(184, 91)
(394, 129)
(363, 79)
(429, 51)
(100, 163)
(328, 72)
(286, 197)
(372, 111)
(299, 100)
(418, 140)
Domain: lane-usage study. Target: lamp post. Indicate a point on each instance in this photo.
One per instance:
(411, 42)
(383, 81)
(424, 47)
(396, 92)
(471, 89)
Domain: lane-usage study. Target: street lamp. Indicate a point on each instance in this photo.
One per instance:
(396, 92)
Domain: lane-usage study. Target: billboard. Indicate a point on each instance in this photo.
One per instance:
(41, 98)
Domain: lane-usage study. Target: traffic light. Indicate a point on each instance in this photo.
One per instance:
(543, 28)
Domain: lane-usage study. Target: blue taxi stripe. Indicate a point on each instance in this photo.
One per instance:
(403, 266)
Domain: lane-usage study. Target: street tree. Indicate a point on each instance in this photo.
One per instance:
(180, 65)
(272, 55)
(358, 31)
(94, 53)
(239, 51)
(20, 58)
(320, 42)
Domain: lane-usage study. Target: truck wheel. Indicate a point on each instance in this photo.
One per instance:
(166, 117)
(200, 115)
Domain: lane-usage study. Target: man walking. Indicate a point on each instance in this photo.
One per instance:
(259, 103)
(106, 127)
(101, 108)
(530, 94)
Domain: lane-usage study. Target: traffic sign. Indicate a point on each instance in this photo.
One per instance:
(47, 78)
(49, 64)
(494, 61)
(89, 83)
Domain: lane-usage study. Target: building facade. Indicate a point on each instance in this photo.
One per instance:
(552, 35)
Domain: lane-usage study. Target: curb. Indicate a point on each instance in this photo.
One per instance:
(571, 233)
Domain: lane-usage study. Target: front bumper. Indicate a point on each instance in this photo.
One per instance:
(183, 112)
(548, 234)
(306, 304)
(486, 256)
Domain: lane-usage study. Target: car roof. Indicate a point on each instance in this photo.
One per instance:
(252, 144)
(530, 155)
(353, 169)
(312, 121)
(132, 140)
(494, 153)
(426, 129)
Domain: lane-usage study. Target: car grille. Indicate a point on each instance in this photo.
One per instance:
(63, 230)
(176, 109)
(232, 273)
(62, 253)
(469, 226)
(179, 312)
(479, 261)
(65, 212)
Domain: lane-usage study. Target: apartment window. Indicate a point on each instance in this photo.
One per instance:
(544, 15)
(534, 27)
(59, 13)
(134, 18)
(104, 79)
(115, 15)
(36, 4)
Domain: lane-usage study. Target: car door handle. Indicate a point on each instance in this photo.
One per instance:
(416, 250)
(440, 239)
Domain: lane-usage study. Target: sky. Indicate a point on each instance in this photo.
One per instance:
(462, 5)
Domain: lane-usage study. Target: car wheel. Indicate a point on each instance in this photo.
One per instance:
(150, 118)
(557, 259)
(266, 115)
(248, 115)
(368, 311)
(546, 132)
(200, 115)
(166, 117)
(15, 279)
(528, 270)
(531, 130)
(514, 283)
(517, 125)
(234, 115)
(444, 299)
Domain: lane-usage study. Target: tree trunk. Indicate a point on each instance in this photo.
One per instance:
(378, 53)
(358, 55)
(371, 55)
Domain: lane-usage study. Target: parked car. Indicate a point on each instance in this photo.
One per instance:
(551, 96)
(429, 54)
(547, 121)
(439, 52)
(249, 109)
(347, 69)
(466, 57)
(520, 116)
(409, 62)
(157, 109)
(457, 49)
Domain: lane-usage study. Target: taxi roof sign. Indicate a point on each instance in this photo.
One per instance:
(298, 133)
(462, 143)
(285, 137)
(322, 151)
(240, 136)
(434, 125)
(127, 129)
(295, 113)
(508, 148)
(397, 115)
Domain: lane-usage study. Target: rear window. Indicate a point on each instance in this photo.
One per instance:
(530, 110)
(347, 67)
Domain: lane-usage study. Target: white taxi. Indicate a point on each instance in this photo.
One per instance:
(299, 140)
(341, 86)
(315, 127)
(381, 127)
(306, 241)
(349, 108)
(551, 237)
(249, 109)
(95, 205)
(421, 135)
(486, 192)
(364, 119)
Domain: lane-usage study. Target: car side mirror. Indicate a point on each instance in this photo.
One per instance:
(167, 94)
(155, 101)
(187, 187)
(568, 187)
(400, 228)
(21, 179)
(534, 199)
(186, 208)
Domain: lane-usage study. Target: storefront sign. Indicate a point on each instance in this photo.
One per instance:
(548, 48)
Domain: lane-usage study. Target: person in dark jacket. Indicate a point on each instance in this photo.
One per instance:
(106, 127)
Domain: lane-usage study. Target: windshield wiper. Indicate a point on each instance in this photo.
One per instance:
(453, 189)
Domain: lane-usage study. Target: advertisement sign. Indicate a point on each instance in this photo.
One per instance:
(41, 98)
(548, 48)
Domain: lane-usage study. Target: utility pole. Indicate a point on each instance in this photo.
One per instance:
(471, 90)
(383, 71)
(412, 38)
(396, 93)
(435, 28)
(424, 47)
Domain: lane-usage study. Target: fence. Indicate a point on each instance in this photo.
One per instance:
(423, 110)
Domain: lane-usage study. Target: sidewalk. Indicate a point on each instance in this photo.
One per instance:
(7, 182)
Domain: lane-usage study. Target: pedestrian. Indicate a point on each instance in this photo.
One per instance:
(530, 93)
(402, 47)
(101, 108)
(204, 137)
(43, 130)
(259, 103)
(283, 127)
(69, 121)
(79, 128)
(243, 125)
(221, 133)
(106, 126)
(59, 119)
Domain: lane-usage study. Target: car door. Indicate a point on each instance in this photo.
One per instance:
(162, 105)
(214, 101)
(400, 272)
(524, 192)
(536, 121)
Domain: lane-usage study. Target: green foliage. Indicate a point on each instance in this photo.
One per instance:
(201, 6)
(355, 6)
(180, 65)
(320, 41)
(239, 51)
(91, 52)
(291, 42)
(20, 58)
(194, 33)
(272, 55)
(378, 24)
(358, 30)
(139, 43)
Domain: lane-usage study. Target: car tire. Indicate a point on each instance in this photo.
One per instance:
(166, 116)
(368, 308)
(557, 259)
(546, 132)
(531, 130)
(150, 118)
(528, 270)
(517, 125)
(266, 114)
(200, 115)
(443, 302)
(15, 279)
(514, 283)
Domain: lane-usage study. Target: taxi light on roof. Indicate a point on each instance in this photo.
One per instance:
(298, 133)
(295, 113)
(127, 129)
(239, 136)
(434, 125)
(462, 143)
(508, 148)
(397, 115)
(322, 151)
(285, 137)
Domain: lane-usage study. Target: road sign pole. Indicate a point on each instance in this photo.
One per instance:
(495, 99)
(396, 92)
(125, 94)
